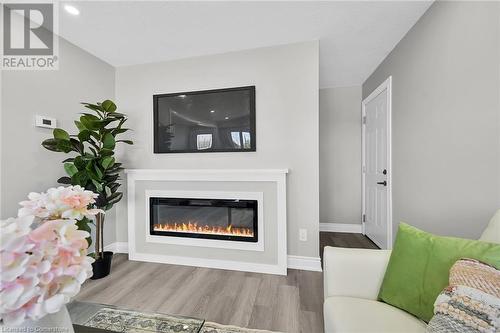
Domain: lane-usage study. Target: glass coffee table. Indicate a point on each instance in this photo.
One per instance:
(101, 318)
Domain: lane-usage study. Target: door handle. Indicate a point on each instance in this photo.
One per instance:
(382, 183)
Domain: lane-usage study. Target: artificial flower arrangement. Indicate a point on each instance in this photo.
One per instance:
(43, 254)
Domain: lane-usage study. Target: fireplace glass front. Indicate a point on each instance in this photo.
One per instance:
(225, 219)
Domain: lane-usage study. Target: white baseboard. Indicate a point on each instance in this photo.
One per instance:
(210, 263)
(117, 247)
(294, 262)
(305, 263)
(341, 227)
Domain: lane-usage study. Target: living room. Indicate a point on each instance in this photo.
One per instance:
(250, 166)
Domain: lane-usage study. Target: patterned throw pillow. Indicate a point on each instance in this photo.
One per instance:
(471, 303)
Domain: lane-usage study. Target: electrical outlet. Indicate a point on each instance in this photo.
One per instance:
(303, 235)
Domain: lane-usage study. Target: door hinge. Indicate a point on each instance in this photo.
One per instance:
(364, 218)
(364, 120)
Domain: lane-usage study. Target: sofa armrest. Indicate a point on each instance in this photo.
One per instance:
(354, 272)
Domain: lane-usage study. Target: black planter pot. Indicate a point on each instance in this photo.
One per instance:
(102, 267)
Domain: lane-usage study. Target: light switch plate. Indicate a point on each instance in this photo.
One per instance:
(46, 122)
(303, 235)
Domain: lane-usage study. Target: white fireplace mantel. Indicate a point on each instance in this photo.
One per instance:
(278, 176)
(208, 174)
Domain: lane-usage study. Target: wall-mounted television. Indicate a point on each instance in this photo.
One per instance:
(221, 120)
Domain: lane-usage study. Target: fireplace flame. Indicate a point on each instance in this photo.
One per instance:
(193, 227)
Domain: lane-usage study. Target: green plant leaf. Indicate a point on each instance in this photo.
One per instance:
(91, 172)
(129, 142)
(117, 115)
(87, 157)
(97, 185)
(61, 134)
(115, 197)
(107, 191)
(90, 122)
(79, 125)
(91, 116)
(108, 141)
(112, 178)
(51, 144)
(95, 135)
(84, 224)
(114, 187)
(70, 169)
(80, 163)
(106, 152)
(119, 130)
(93, 107)
(64, 180)
(113, 171)
(103, 123)
(107, 162)
(71, 159)
(108, 106)
(98, 170)
(80, 178)
(77, 145)
(64, 146)
(84, 135)
(115, 168)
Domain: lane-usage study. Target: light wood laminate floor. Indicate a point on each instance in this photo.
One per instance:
(290, 303)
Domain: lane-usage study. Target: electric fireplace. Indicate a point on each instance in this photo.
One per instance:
(224, 219)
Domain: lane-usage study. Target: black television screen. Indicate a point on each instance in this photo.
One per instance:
(221, 120)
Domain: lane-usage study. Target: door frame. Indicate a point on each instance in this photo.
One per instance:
(386, 85)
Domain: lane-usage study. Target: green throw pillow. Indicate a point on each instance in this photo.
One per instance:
(419, 267)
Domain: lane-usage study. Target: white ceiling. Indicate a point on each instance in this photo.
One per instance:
(354, 36)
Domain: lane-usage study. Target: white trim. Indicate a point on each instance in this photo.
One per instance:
(386, 85)
(341, 227)
(208, 263)
(305, 263)
(257, 246)
(294, 262)
(117, 247)
(1, 161)
(182, 174)
(242, 175)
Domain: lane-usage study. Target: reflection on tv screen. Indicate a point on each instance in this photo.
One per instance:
(220, 120)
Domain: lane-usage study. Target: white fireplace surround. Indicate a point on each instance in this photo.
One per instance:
(278, 176)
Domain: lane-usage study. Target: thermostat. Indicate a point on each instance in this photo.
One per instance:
(47, 122)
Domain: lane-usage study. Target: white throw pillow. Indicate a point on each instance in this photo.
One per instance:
(492, 232)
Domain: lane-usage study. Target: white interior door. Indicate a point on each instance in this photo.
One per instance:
(377, 196)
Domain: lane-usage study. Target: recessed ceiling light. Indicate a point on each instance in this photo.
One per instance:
(182, 96)
(72, 10)
(226, 118)
(212, 111)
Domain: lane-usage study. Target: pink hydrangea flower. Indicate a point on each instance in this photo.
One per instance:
(43, 265)
(70, 202)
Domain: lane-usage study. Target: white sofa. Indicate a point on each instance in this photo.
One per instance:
(352, 279)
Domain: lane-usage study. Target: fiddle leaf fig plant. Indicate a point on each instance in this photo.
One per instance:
(93, 165)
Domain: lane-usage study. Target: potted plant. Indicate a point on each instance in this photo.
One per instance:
(94, 167)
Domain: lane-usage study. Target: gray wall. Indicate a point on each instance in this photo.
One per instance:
(286, 80)
(26, 165)
(446, 107)
(340, 155)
